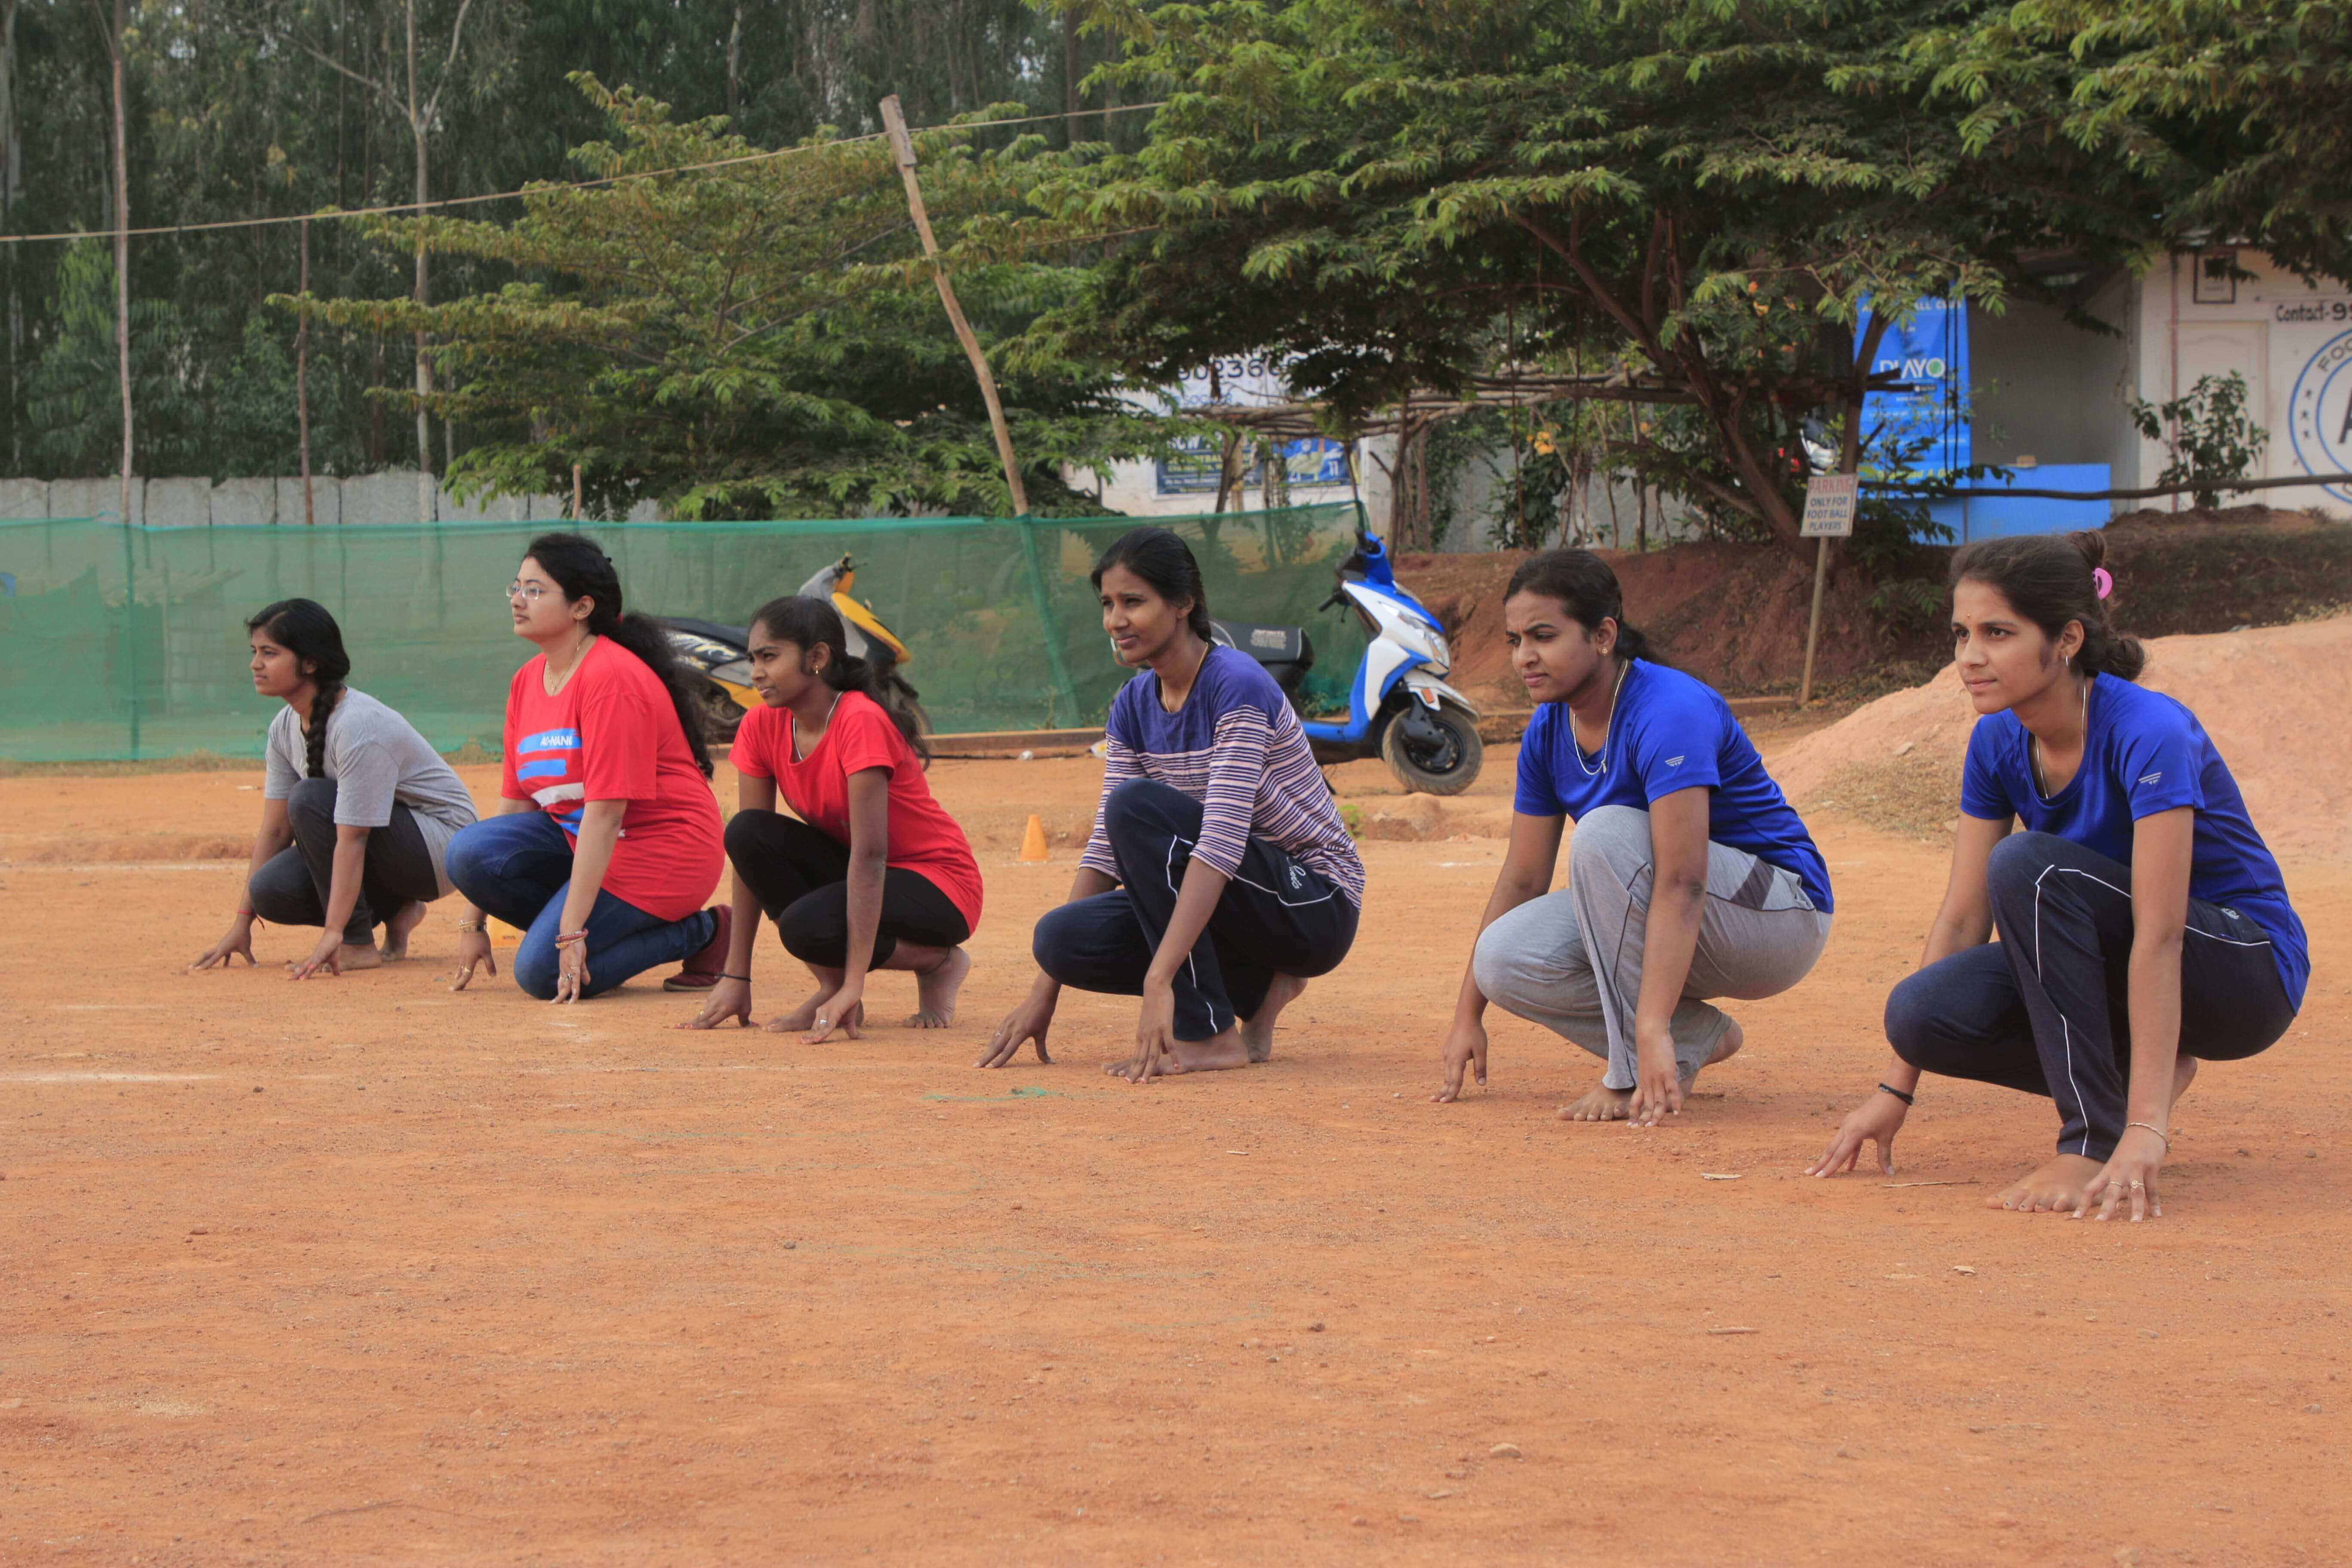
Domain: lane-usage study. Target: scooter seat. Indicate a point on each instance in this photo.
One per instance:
(733, 636)
(1268, 645)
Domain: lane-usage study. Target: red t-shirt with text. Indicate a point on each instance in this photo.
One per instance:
(613, 734)
(924, 838)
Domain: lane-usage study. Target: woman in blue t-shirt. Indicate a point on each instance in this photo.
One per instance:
(1688, 876)
(2144, 925)
(1219, 877)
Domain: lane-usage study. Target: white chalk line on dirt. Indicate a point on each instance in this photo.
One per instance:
(83, 867)
(107, 1077)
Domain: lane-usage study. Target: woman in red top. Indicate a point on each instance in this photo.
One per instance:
(607, 839)
(874, 875)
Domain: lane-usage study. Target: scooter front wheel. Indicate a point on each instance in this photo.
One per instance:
(1446, 764)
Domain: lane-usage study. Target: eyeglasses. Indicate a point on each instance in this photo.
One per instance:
(532, 592)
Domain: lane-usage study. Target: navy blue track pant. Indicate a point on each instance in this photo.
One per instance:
(1275, 917)
(2046, 1009)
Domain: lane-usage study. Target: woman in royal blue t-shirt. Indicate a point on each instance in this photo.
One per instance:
(1688, 875)
(2144, 925)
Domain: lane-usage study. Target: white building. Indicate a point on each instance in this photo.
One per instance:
(2059, 394)
(2049, 399)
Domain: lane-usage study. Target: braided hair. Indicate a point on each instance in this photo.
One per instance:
(304, 628)
(583, 570)
(807, 623)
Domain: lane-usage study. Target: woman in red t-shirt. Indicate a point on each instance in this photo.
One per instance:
(607, 838)
(874, 875)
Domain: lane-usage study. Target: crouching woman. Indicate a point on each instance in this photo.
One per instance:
(357, 811)
(872, 873)
(1219, 879)
(607, 838)
(1689, 877)
(2144, 925)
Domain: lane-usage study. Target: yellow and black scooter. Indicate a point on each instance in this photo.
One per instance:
(719, 653)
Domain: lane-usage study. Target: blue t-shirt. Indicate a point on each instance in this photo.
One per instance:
(2145, 754)
(1669, 732)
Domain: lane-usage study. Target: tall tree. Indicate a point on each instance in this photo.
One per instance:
(761, 339)
(114, 26)
(419, 108)
(2235, 106)
(1716, 188)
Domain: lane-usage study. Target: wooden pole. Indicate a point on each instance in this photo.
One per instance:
(1848, 461)
(1813, 628)
(902, 149)
(302, 381)
(576, 492)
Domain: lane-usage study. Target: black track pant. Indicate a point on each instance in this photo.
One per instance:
(290, 889)
(1275, 917)
(800, 876)
(2046, 1009)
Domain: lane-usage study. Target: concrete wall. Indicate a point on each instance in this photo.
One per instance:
(2046, 389)
(96, 497)
(21, 499)
(1481, 487)
(387, 498)
(1132, 490)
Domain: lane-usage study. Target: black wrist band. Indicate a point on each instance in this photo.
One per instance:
(1898, 1094)
(744, 978)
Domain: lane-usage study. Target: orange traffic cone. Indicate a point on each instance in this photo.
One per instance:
(1032, 842)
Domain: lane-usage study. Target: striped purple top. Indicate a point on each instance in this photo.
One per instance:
(1235, 747)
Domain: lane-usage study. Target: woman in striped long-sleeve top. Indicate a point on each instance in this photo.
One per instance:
(1219, 877)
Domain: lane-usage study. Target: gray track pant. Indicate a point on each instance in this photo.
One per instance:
(1572, 961)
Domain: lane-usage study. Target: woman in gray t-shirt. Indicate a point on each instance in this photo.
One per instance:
(356, 809)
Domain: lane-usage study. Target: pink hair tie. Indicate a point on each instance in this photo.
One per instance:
(2102, 582)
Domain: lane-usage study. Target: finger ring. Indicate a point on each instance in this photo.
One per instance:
(2138, 1185)
(821, 1023)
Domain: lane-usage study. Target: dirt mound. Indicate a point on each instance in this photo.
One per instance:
(1732, 615)
(2274, 699)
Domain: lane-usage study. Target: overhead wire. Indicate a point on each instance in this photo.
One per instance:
(551, 187)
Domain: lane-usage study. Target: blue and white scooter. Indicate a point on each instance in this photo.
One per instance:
(1400, 707)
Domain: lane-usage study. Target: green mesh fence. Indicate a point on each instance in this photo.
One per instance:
(121, 642)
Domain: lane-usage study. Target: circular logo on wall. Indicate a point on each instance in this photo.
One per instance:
(2319, 424)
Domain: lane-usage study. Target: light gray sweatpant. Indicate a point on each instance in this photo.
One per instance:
(1572, 961)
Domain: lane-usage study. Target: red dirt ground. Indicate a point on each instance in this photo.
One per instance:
(362, 1271)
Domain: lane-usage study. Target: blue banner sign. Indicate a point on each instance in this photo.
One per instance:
(1191, 469)
(1243, 381)
(1929, 352)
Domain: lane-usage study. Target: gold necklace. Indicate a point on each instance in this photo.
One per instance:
(2033, 748)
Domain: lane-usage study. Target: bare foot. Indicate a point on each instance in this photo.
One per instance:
(1603, 1104)
(1727, 1048)
(1258, 1033)
(935, 988)
(2056, 1187)
(404, 920)
(803, 1018)
(349, 957)
(2184, 1073)
(1213, 1055)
